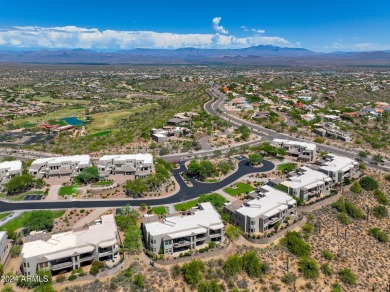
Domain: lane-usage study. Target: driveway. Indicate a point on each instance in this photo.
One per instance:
(185, 193)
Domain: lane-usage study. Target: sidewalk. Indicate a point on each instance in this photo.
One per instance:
(10, 217)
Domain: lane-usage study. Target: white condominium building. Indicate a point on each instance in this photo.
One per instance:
(181, 233)
(59, 166)
(306, 183)
(301, 150)
(9, 169)
(139, 165)
(269, 207)
(70, 250)
(337, 167)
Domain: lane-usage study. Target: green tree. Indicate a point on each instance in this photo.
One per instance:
(19, 183)
(233, 232)
(232, 265)
(362, 154)
(136, 188)
(88, 175)
(124, 221)
(192, 271)
(309, 268)
(132, 242)
(368, 183)
(39, 220)
(255, 159)
(251, 264)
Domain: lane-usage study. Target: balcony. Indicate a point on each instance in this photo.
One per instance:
(273, 220)
(61, 266)
(86, 258)
(203, 237)
(213, 235)
(182, 243)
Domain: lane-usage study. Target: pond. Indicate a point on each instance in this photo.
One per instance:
(74, 121)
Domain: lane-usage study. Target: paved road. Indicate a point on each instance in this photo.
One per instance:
(185, 193)
(216, 107)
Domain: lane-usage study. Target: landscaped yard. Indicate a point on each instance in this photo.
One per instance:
(17, 223)
(102, 183)
(186, 205)
(3, 215)
(20, 197)
(108, 120)
(67, 190)
(240, 188)
(287, 167)
(159, 210)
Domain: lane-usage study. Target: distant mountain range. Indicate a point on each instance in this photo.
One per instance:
(263, 55)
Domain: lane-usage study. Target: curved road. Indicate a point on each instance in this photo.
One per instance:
(185, 193)
(216, 107)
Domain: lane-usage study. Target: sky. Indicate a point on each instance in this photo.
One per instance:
(322, 26)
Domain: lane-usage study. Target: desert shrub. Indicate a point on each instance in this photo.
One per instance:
(211, 286)
(232, 265)
(139, 280)
(368, 183)
(309, 268)
(327, 255)
(347, 276)
(295, 244)
(381, 197)
(288, 278)
(377, 233)
(326, 270)
(356, 188)
(380, 212)
(336, 287)
(72, 277)
(308, 227)
(343, 218)
(192, 271)
(175, 271)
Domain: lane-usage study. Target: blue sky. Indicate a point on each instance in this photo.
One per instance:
(342, 25)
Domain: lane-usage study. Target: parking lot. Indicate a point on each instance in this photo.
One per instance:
(33, 197)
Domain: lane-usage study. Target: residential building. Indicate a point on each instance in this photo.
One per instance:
(139, 165)
(270, 206)
(3, 246)
(301, 150)
(181, 233)
(70, 250)
(59, 166)
(9, 169)
(306, 183)
(333, 133)
(183, 121)
(337, 167)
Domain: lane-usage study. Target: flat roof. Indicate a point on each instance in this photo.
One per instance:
(14, 165)
(81, 159)
(72, 241)
(306, 177)
(146, 158)
(204, 217)
(337, 163)
(309, 146)
(272, 203)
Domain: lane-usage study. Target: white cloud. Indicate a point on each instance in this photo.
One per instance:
(70, 37)
(258, 30)
(218, 28)
(356, 47)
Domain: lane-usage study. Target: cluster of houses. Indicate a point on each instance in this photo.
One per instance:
(139, 165)
(176, 127)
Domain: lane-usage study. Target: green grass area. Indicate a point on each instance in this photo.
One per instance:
(241, 188)
(67, 190)
(100, 134)
(107, 120)
(186, 205)
(3, 215)
(28, 125)
(212, 180)
(55, 115)
(159, 210)
(17, 223)
(287, 167)
(102, 183)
